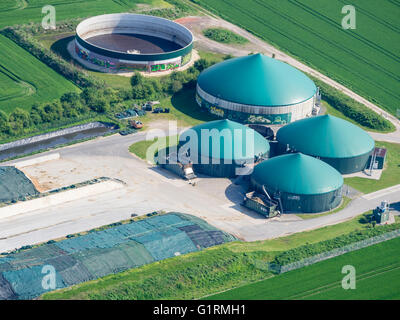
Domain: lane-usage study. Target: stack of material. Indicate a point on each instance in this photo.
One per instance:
(99, 253)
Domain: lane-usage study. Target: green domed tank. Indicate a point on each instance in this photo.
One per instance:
(303, 183)
(338, 142)
(256, 89)
(219, 148)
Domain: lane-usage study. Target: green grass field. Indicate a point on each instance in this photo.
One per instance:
(366, 59)
(25, 80)
(23, 11)
(140, 148)
(390, 175)
(377, 277)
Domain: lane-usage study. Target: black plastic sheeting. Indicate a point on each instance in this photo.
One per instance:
(14, 185)
(6, 292)
(203, 238)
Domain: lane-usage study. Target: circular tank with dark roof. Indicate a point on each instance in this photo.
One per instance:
(338, 142)
(219, 147)
(302, 183)
(256, 89)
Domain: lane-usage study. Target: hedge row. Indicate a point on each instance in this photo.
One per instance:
(353, 109)
(310, 250)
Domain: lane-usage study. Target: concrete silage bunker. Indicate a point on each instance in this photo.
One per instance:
(221, 148)
(337, 142)
(299, 182)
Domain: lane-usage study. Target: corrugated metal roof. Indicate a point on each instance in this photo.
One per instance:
(297, 173)
(326, 136)
(235, 148)
(257, 80)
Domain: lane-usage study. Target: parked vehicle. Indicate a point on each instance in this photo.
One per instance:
(135, 124)
(127, 131)
(157, 110)
(147, 107)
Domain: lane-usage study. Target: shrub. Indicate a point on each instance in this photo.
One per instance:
(137, 79)
(18, 121)
(3, 122)
(202, 64)
(223, 36)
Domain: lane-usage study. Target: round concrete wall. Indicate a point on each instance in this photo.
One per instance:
(110, 60)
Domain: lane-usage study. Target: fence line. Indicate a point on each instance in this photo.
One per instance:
(334, 253)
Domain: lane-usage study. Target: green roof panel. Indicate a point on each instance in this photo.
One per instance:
(326, 136)
(257, 80)
(298, 174)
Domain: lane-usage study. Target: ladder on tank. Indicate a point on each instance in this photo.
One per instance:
(371, 164)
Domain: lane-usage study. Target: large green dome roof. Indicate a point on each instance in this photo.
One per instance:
(327, 137)
(257, 80)
(228, 149)
(297, 173)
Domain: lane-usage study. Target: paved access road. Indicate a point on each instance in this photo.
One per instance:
(149, 189)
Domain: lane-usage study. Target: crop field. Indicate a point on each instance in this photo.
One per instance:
(377, 277)
(25, 80)
(22, 11)
(366, 59)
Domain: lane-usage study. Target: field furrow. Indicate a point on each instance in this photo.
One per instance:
(365, 59)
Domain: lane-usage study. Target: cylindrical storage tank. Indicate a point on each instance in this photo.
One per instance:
(303, 183)
(223, 148)
(338, 142)
(125, 42)
(256, 89)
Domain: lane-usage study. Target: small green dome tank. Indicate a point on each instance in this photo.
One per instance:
(338, 142)
(297, 174)
(326, 136)
(235, 149)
